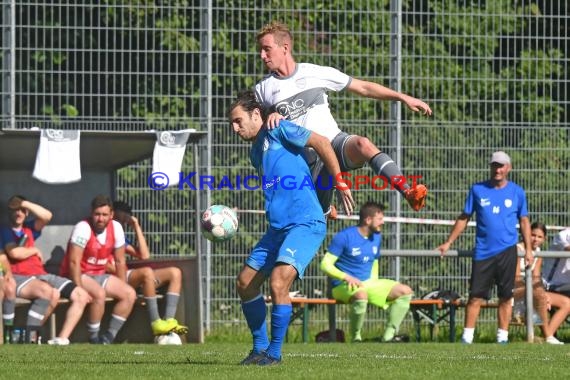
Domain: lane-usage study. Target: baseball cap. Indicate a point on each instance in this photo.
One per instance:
(500, 157)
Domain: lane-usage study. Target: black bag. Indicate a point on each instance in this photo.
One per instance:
(325, 336)
(445, 295)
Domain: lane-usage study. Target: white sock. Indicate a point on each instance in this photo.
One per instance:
(502, 335)
(468, 334)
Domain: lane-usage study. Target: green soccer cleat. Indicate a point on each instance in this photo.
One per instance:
(179, 329)
(162, 327)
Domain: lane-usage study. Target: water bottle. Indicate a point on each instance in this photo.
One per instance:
(16, 335)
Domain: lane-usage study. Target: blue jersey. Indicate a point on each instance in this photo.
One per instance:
(290, 196)
(356, 254)
(498, 212)
(8, 235)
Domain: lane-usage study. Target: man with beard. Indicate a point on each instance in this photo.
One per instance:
(352, 263)
(92, 241)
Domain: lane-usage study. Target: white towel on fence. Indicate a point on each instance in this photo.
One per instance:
(168, 154)
(57, 159)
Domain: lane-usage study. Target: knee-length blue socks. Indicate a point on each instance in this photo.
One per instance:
(255, 313)
(280, 317)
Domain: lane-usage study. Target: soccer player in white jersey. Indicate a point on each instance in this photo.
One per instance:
(298, 92)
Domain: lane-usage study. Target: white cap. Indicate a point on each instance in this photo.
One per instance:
(500, 157)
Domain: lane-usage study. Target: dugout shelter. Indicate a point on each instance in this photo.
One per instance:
(102, 153)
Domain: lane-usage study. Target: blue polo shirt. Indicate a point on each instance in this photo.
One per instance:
(498, 213)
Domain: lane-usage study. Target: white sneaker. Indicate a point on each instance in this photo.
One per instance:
(553, 340)
(59, 341)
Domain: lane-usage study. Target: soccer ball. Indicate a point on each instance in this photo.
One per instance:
(170, 339)
(219, 223)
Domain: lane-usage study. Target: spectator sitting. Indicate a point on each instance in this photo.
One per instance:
(352, 262)
(32, 280)
(150, 279)
(542, 300)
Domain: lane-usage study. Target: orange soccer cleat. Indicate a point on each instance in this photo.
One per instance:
(416, 196)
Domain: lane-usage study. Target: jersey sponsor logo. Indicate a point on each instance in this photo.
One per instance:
(55, 134)
(94, 261)
(80, 241)
(356, 251)
(485, 202)
(298, 105)
(167, 138)
(508, 203)
(496, 209)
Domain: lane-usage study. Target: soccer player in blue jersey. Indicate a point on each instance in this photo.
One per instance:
(499, 204)
(296, 222)
(352, 262)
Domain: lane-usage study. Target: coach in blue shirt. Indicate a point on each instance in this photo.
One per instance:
(499, 204)
(296, 222)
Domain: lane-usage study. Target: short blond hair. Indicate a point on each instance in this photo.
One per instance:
(279, 30)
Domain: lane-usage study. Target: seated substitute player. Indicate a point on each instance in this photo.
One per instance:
(32, 280)
(352, 262)
(147, 278)
(296, 222)
(91, 243)
(298, 92)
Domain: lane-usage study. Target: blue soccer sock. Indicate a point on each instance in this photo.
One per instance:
(280, 317)
(255, 313)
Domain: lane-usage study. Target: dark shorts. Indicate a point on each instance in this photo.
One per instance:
(319, 173)
(499, 269)
(560, 289)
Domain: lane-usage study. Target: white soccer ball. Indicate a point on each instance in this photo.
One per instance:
(170, 339)
(219, 223)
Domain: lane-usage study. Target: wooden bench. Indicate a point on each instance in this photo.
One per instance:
(51, 324)
(432, 311)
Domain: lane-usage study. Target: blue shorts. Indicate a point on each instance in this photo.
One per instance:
(296, 246)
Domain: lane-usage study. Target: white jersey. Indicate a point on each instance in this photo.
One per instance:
(561, 273)
(302, 97)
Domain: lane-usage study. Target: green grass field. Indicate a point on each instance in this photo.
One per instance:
(301, 361)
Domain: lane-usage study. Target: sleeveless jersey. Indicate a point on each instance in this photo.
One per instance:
(95, 254)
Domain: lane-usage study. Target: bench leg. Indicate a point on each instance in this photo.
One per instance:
(52, 326)
(417, 326)
(332, 323)
(306, 323)
(452, 323)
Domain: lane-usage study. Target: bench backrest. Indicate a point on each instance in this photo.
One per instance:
(53, 243)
